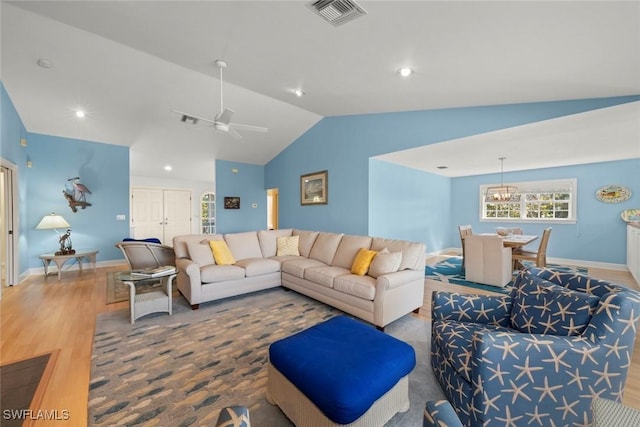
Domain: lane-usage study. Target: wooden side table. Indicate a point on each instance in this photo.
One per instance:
(149, 302)
(59, 260)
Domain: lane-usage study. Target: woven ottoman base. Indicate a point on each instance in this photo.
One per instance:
(303, 413)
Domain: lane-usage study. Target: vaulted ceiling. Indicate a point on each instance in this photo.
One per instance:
(129, 63)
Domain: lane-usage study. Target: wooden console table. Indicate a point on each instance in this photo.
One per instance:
(59, 260)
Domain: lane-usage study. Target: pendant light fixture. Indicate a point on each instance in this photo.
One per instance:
(501, 193)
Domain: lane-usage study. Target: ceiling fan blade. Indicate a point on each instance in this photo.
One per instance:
(225, 116)
(234, 134)
(249, 127)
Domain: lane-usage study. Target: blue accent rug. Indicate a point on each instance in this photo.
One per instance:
(450, 271)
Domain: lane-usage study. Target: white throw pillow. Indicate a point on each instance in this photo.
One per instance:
(288, 245)
(385, 262)
(200, 253)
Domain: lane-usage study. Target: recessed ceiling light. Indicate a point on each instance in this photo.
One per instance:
(44, 63)
(80, 114)
(168, 168)
(442, 167)
(298, 92)
(405, 71)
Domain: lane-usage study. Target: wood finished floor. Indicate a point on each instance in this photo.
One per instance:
(44, 314)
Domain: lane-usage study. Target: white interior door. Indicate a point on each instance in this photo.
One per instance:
(9, 224)
(161, 213)
(147, 213)
(177, 214)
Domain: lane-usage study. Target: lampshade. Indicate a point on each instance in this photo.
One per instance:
(52, 221)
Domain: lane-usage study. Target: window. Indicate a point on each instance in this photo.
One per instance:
(540, 201)
(208, 213)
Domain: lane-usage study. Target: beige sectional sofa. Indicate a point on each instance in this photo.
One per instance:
(392, 287)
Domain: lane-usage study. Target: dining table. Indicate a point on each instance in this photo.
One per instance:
(518, 240)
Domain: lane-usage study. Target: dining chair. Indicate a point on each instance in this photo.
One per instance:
(487, 260)
(465, 230)
(539, 257)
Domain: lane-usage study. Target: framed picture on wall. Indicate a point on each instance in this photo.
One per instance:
(313, 188)
(232, 202)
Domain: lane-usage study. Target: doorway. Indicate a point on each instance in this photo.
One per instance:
(161, 213)
(272, 208)
(8, 223)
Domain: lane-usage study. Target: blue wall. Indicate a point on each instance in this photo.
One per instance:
(11, 131)
(104, 168)
(599, 234)
(343, 145)
(408, 204)
(248, 184)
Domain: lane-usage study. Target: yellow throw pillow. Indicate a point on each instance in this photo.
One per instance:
(221, 252)
(288, 245)
(362, 262)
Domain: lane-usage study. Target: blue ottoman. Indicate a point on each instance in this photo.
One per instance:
(340, 372)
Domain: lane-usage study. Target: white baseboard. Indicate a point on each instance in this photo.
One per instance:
(70, 267)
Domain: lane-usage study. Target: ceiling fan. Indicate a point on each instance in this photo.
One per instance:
(222, 122)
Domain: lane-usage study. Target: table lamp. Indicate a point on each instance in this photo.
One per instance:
(53, 222)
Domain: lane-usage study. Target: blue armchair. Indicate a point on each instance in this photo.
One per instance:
(537, 356)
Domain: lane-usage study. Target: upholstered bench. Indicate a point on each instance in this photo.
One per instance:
(340, 372)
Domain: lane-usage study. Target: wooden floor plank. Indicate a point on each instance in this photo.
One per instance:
(45, 314)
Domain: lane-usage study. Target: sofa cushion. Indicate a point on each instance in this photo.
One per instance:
(348, 250)
(258, 266)
(325, 247)
(362, 261)
(542, 307)
(200, 253)
(307, 239)
(413, 254)
(455, 339)
(288, 245)
(220, 273)
(385, 262)
(221, 252)
(296, 267)
(359, 286)
(180, 242)
(268, 238)
(324, 275)
(244, 245)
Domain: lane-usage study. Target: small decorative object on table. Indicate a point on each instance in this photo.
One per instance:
(65, 244)
(163, 270)
(630, 215)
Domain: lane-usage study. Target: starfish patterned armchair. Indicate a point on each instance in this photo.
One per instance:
(538, 356)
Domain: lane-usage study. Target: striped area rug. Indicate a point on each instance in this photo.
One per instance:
(181, 370)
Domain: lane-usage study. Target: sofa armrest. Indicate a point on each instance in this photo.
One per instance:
(494, 309)
(396, 279)
(189, 282)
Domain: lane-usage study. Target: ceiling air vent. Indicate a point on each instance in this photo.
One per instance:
(337, 12)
